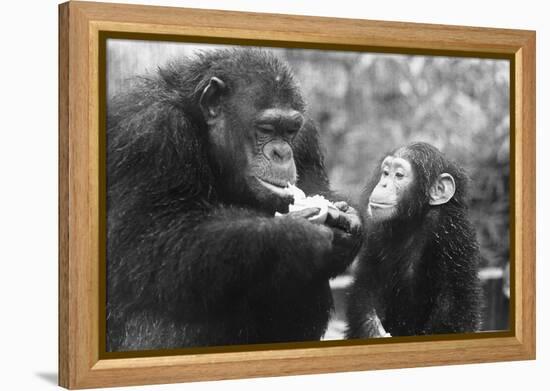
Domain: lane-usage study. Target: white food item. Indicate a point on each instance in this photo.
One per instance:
(301, 201)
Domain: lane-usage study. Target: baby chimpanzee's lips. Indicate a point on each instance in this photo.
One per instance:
(282, 190)
(380, 205)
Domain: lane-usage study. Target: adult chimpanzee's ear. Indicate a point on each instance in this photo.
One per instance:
(442, 190)
(210, 99)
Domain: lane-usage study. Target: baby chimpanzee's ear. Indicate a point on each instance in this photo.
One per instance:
(442, 190)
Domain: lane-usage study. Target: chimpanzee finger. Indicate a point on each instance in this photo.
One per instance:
(354, 221)
(342, 205)
(304, 213)
(350, 221)
(338, 219)
(352, 210)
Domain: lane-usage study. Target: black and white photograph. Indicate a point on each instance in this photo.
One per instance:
(260, 195)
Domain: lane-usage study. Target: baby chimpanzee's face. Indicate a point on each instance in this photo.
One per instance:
(397, 176)
(401, 191)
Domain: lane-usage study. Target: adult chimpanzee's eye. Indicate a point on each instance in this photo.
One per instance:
(266, 128)
(385, 172)
(291, 132)
(399, 175)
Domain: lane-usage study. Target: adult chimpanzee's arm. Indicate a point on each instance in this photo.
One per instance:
(231, 249)
(313, 179)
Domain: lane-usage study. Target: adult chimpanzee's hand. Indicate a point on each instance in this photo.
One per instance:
(341, 236)
(310, 212)
(345, 218)
(303, 213)
(345, 224)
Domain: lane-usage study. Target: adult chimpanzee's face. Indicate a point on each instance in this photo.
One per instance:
(271, 163)
(250, 135)
(395, 182)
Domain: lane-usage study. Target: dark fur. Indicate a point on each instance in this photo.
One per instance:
(190, 263)
(418, 272)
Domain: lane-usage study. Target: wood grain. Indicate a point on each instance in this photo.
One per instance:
(80, 24)
(63, 309)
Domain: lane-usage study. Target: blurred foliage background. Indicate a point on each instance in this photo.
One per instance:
(367, 104)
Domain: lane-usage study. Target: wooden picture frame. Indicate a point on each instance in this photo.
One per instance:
(81, 25)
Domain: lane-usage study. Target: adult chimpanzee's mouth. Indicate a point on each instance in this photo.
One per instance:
(379, 205)
(277, 188)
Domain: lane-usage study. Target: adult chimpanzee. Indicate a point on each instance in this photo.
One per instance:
(417, 269)
(199, 159)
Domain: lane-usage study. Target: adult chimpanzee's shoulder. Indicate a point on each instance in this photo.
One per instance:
(310, 161)
(155, 155)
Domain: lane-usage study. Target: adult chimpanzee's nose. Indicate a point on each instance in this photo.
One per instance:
(278, 152)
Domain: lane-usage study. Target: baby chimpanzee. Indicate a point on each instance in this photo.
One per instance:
(417, 271)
